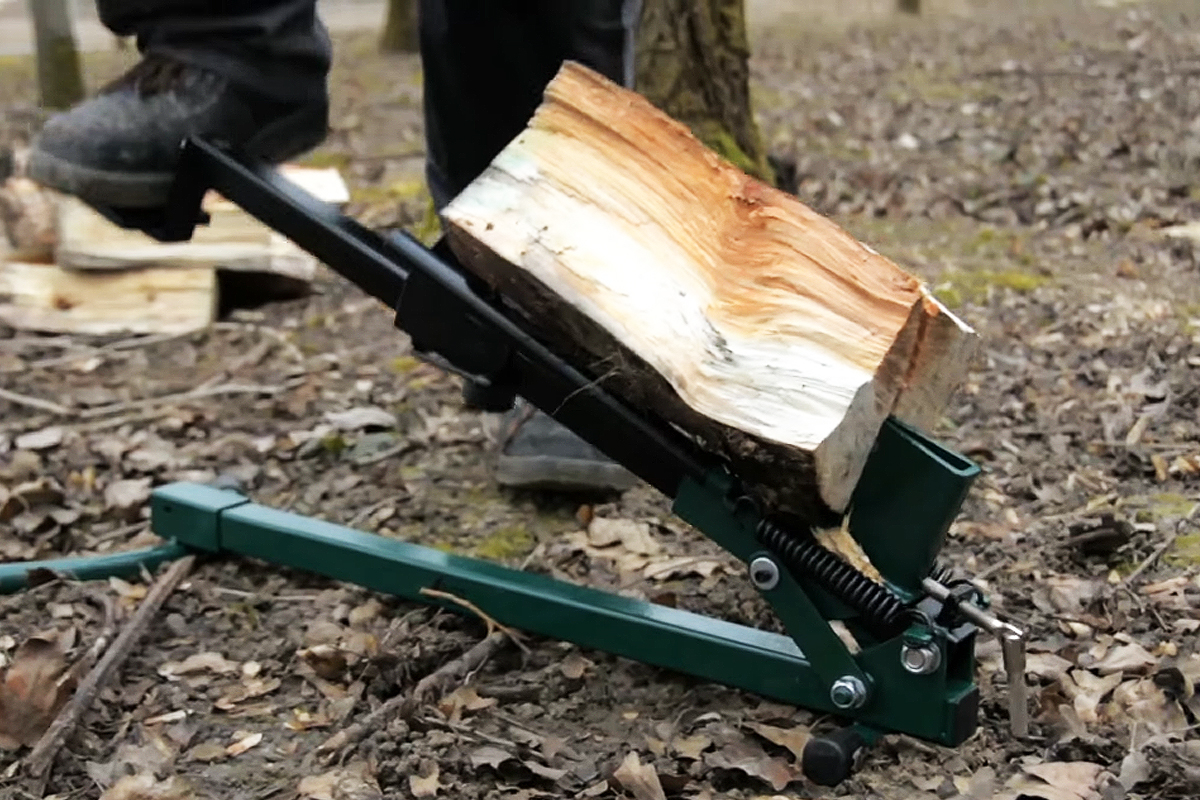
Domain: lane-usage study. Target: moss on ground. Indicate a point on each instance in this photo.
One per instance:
(505, 543)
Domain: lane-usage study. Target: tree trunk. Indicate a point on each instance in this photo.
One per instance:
(60, 81)
(705, 298)
(908, 6)
(692, 64)
(400, 30)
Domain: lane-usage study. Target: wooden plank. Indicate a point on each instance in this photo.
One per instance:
(46, 297)
(233, 240)
(705, 297)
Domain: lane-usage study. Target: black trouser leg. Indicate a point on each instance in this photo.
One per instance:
(278, 48)
(486, 64)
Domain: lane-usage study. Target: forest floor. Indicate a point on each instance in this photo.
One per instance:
(1034, 167)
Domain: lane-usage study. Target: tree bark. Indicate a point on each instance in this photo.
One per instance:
(60, 81)
(705, 298)
(692, 63)
(400, 29)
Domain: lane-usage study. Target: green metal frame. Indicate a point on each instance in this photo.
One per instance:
(798, 668)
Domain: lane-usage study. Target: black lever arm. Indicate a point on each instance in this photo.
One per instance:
(434, 301)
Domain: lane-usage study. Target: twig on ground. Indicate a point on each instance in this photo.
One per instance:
(33, 402)
(279, 336)
(398, 449)
(249, 359)
(81, 351)
(41, 757)
(168, 399)
(1162, 548)
(405, 706)
(1150, 559)
(492, 625)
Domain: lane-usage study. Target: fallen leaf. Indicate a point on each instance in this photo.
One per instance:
(692, 747)
(1129, 658)
(543, 771)
(1135, 768)
(126, 590)
(794, 739)
(1144, 700)
(1086, 691)
(1058, 781)
(363, 614)
(33, 687)
(255, 687)
(638, 779)
(425, 785)
(634, 536)
(144, 786)
(489, 755)
(28, 495)
(170, 716)
(61, 610)
(43, 439)
(1069, 594)
(304, 720)
(1047, 666)
(207, 751)
(680, 567)
(243, 744)
(200, 662)
(351, 782)
(133, 759)
(127, 495)
(748, 757)
(327, 661)
(464, 698)
(573, 666)
(361, 418)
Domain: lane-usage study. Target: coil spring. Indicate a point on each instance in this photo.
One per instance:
(876, 603)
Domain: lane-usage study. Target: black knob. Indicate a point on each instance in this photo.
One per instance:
(829, 760)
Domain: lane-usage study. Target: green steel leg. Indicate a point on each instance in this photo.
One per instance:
(16, 576)
(764, 663)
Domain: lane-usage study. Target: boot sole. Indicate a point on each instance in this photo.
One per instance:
(283, 139)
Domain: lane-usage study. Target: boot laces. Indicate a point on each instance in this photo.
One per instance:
(154, 74)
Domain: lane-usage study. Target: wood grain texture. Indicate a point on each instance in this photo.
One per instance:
(46, 297)
(703, 296)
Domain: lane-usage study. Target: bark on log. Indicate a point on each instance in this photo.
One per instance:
(705, 297)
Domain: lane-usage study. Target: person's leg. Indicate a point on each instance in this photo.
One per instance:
(486, 64)
(485, 68)
(252, 73)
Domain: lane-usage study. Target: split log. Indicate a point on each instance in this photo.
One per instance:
(232, 241)
(704, 297)
(46, 297)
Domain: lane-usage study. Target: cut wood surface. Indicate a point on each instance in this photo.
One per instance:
(232, 240)
(705, 297)
(46, 297)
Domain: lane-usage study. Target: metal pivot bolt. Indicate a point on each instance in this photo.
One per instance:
(848, 692)
(921, 659)
(764, 574)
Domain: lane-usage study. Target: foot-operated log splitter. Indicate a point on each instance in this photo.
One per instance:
(913, 671)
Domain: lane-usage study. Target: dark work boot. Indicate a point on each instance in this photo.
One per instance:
(538, 452)
(120, 148)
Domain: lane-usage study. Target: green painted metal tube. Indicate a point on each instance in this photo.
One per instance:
(15, 576)
(938, 707)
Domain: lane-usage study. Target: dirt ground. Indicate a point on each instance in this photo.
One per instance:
(1034, 167)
